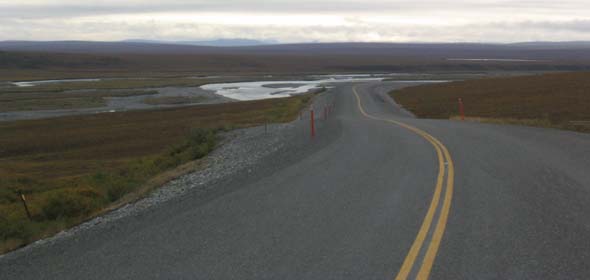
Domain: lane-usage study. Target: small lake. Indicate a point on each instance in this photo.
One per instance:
(279, 89)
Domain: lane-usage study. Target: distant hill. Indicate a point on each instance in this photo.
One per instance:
(555, 45)
(282, 58)
(532, 50)
(211, 43)
(92, 47)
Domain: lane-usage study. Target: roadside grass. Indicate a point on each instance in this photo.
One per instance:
(557, 100)
(73, 168)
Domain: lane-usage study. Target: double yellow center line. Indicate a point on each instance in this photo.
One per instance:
(445, 166)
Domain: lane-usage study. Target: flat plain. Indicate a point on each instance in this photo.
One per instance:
(559, 100)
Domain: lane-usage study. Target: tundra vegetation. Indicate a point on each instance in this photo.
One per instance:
(73, 168)
(557, 100)
(39, 100)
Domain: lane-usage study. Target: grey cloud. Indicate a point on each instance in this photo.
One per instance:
(62, 8)
(149, 29)
(573, 25)
(65, 19)
(581, 26)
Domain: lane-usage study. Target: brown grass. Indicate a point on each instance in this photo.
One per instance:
(33, 98)
(173, 100)
(82, 165)
(551, 100)
(52, 104)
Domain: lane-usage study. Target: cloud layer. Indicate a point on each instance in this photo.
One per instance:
(298, 21)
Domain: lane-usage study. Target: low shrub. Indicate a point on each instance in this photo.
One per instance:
(197, 145)
(116, 184)
(12, 228)
(70, 203)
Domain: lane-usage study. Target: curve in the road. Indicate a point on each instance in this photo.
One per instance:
(444, 159)
(349, 204)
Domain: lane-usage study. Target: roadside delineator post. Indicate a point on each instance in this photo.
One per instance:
(24, 200)
(312, 123)
(461, 109)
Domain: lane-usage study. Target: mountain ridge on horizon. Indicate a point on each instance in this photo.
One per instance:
(233, 42)
(439, 50)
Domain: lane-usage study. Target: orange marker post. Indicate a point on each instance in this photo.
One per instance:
(461, 109)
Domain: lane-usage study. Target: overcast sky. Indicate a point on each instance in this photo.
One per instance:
(297, 21)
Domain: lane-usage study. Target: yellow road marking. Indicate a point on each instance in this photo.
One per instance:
(442, 154)
(415, 249)
(442, 220)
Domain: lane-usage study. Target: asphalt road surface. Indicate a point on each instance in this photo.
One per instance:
(377, 194)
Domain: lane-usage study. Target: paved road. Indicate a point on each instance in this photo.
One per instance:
(353, 202)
